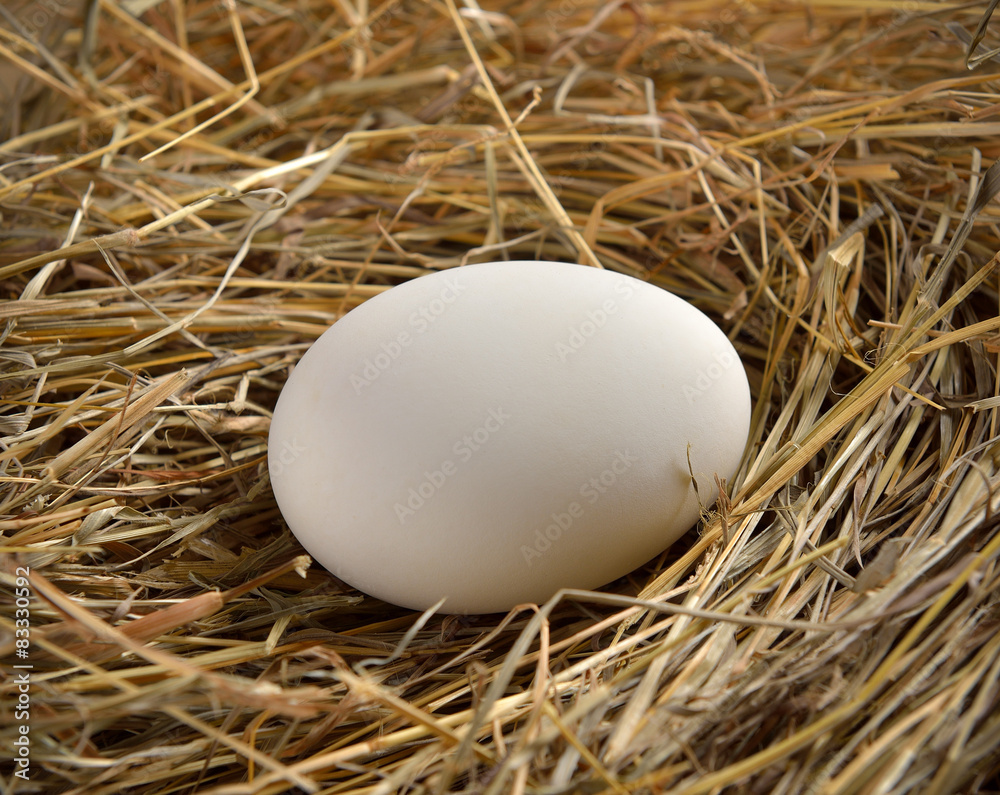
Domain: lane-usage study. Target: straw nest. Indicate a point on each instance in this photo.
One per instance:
(192, 192)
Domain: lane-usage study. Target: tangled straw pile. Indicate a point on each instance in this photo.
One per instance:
(192, 192)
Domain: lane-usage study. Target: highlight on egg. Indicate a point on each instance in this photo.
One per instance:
(491, 434)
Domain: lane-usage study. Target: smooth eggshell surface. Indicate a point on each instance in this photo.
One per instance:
(493, 433)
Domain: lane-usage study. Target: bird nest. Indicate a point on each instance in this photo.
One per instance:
(193, 191)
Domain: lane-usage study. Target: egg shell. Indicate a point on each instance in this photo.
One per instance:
(492, 433)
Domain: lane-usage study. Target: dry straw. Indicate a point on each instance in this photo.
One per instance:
(191, 192)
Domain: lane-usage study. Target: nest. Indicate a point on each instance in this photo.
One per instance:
(193, 192)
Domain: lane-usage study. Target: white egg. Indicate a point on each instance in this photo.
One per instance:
(493, 433)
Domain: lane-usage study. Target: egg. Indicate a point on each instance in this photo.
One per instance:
(490, 434)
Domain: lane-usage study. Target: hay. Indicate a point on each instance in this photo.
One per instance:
(814, 177)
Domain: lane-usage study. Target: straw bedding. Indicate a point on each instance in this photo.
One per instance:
(193, 191)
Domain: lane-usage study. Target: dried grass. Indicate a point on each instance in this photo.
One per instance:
(811, 176)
